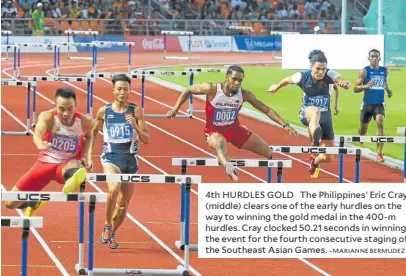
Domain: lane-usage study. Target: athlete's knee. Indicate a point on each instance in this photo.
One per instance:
(314, 112)
(217, 140)
(363, 130)
(11, 204)
(380, 121)
(329, 158)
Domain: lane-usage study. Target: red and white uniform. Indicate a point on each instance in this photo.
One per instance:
(66, 144)
(222, 117)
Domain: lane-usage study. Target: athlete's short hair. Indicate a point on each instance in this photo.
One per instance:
(235, 68)
(374, 51)
(121, 77)
(66, 93)
(318, 58)
(315, 52)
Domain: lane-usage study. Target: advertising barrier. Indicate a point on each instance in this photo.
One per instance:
(206, 43)
(37, 40)
(154, 43)
(258, 43)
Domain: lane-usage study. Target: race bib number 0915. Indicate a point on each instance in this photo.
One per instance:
(120, 131)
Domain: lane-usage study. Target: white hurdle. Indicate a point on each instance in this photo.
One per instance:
(15, 54)
(181, 270)
(189, 34)
(91, 198)
(210, 162)
(71, 33)
(87, 79)
(36, 45)
(25, 223)
(7, 34)
(164, 73)
(28, 84)
(106, 44)
(327, 150)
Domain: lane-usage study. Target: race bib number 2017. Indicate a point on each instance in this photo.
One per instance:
(225, 116)
(64, 143)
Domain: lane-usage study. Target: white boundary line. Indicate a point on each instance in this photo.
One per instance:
(38, 236)
(152, 235)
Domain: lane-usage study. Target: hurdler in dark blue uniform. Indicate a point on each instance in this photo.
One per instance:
(316, 85)
(123, 127)
(373, 81)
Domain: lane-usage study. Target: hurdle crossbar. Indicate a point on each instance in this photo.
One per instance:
(372, 139)
(105, 44)
(206, 70)
(143, 178)
(318, 150)
(212, 162)
(25, 223)
(181, 33)
(18, 222)
(80, 78)
(112, 74)
(28, 84)
(52, 196)
(249, 163)
(402, 130)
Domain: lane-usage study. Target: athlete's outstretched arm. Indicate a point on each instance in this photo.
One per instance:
(140, 125)
(44, 123)
(359, 87)
(336, 94)
(197, 89)
(272, 114)
(294, 79)
(95, 131)
(386, 85)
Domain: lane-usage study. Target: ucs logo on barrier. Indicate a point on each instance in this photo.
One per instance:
(382, 140)
(135, 178)
(167, 73)
(34, 197)
(314, 150)
(133, 272)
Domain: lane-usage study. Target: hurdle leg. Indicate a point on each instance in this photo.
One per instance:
(24, 247)
(180, 244)
(92, 206)
(190, 110)
(18, 53)
(164, 46)
(142, 92)
(129, 59)
(279, 173)
(269, 177)
(187, 222)
(79, 265)
(357, 166)
(34, 106)
(28, 109)
(341, 163)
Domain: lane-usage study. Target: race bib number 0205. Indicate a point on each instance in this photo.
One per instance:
(225, 116)
(64, 143)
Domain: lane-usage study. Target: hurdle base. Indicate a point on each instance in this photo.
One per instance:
(165, 116)
(192, 247)
(183, 58)
(196, 111)
(15, 133)
(84, 58)
(179, 271)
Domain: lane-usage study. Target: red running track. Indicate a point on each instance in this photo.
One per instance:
(156, 207)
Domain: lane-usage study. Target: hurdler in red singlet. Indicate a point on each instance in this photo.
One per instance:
(62, 137)
(223, 103)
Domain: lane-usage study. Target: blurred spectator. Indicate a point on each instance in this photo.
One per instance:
(38, 20)
(74, 10)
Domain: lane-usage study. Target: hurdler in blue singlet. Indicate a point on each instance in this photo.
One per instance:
(376, 94)
(120, 145)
